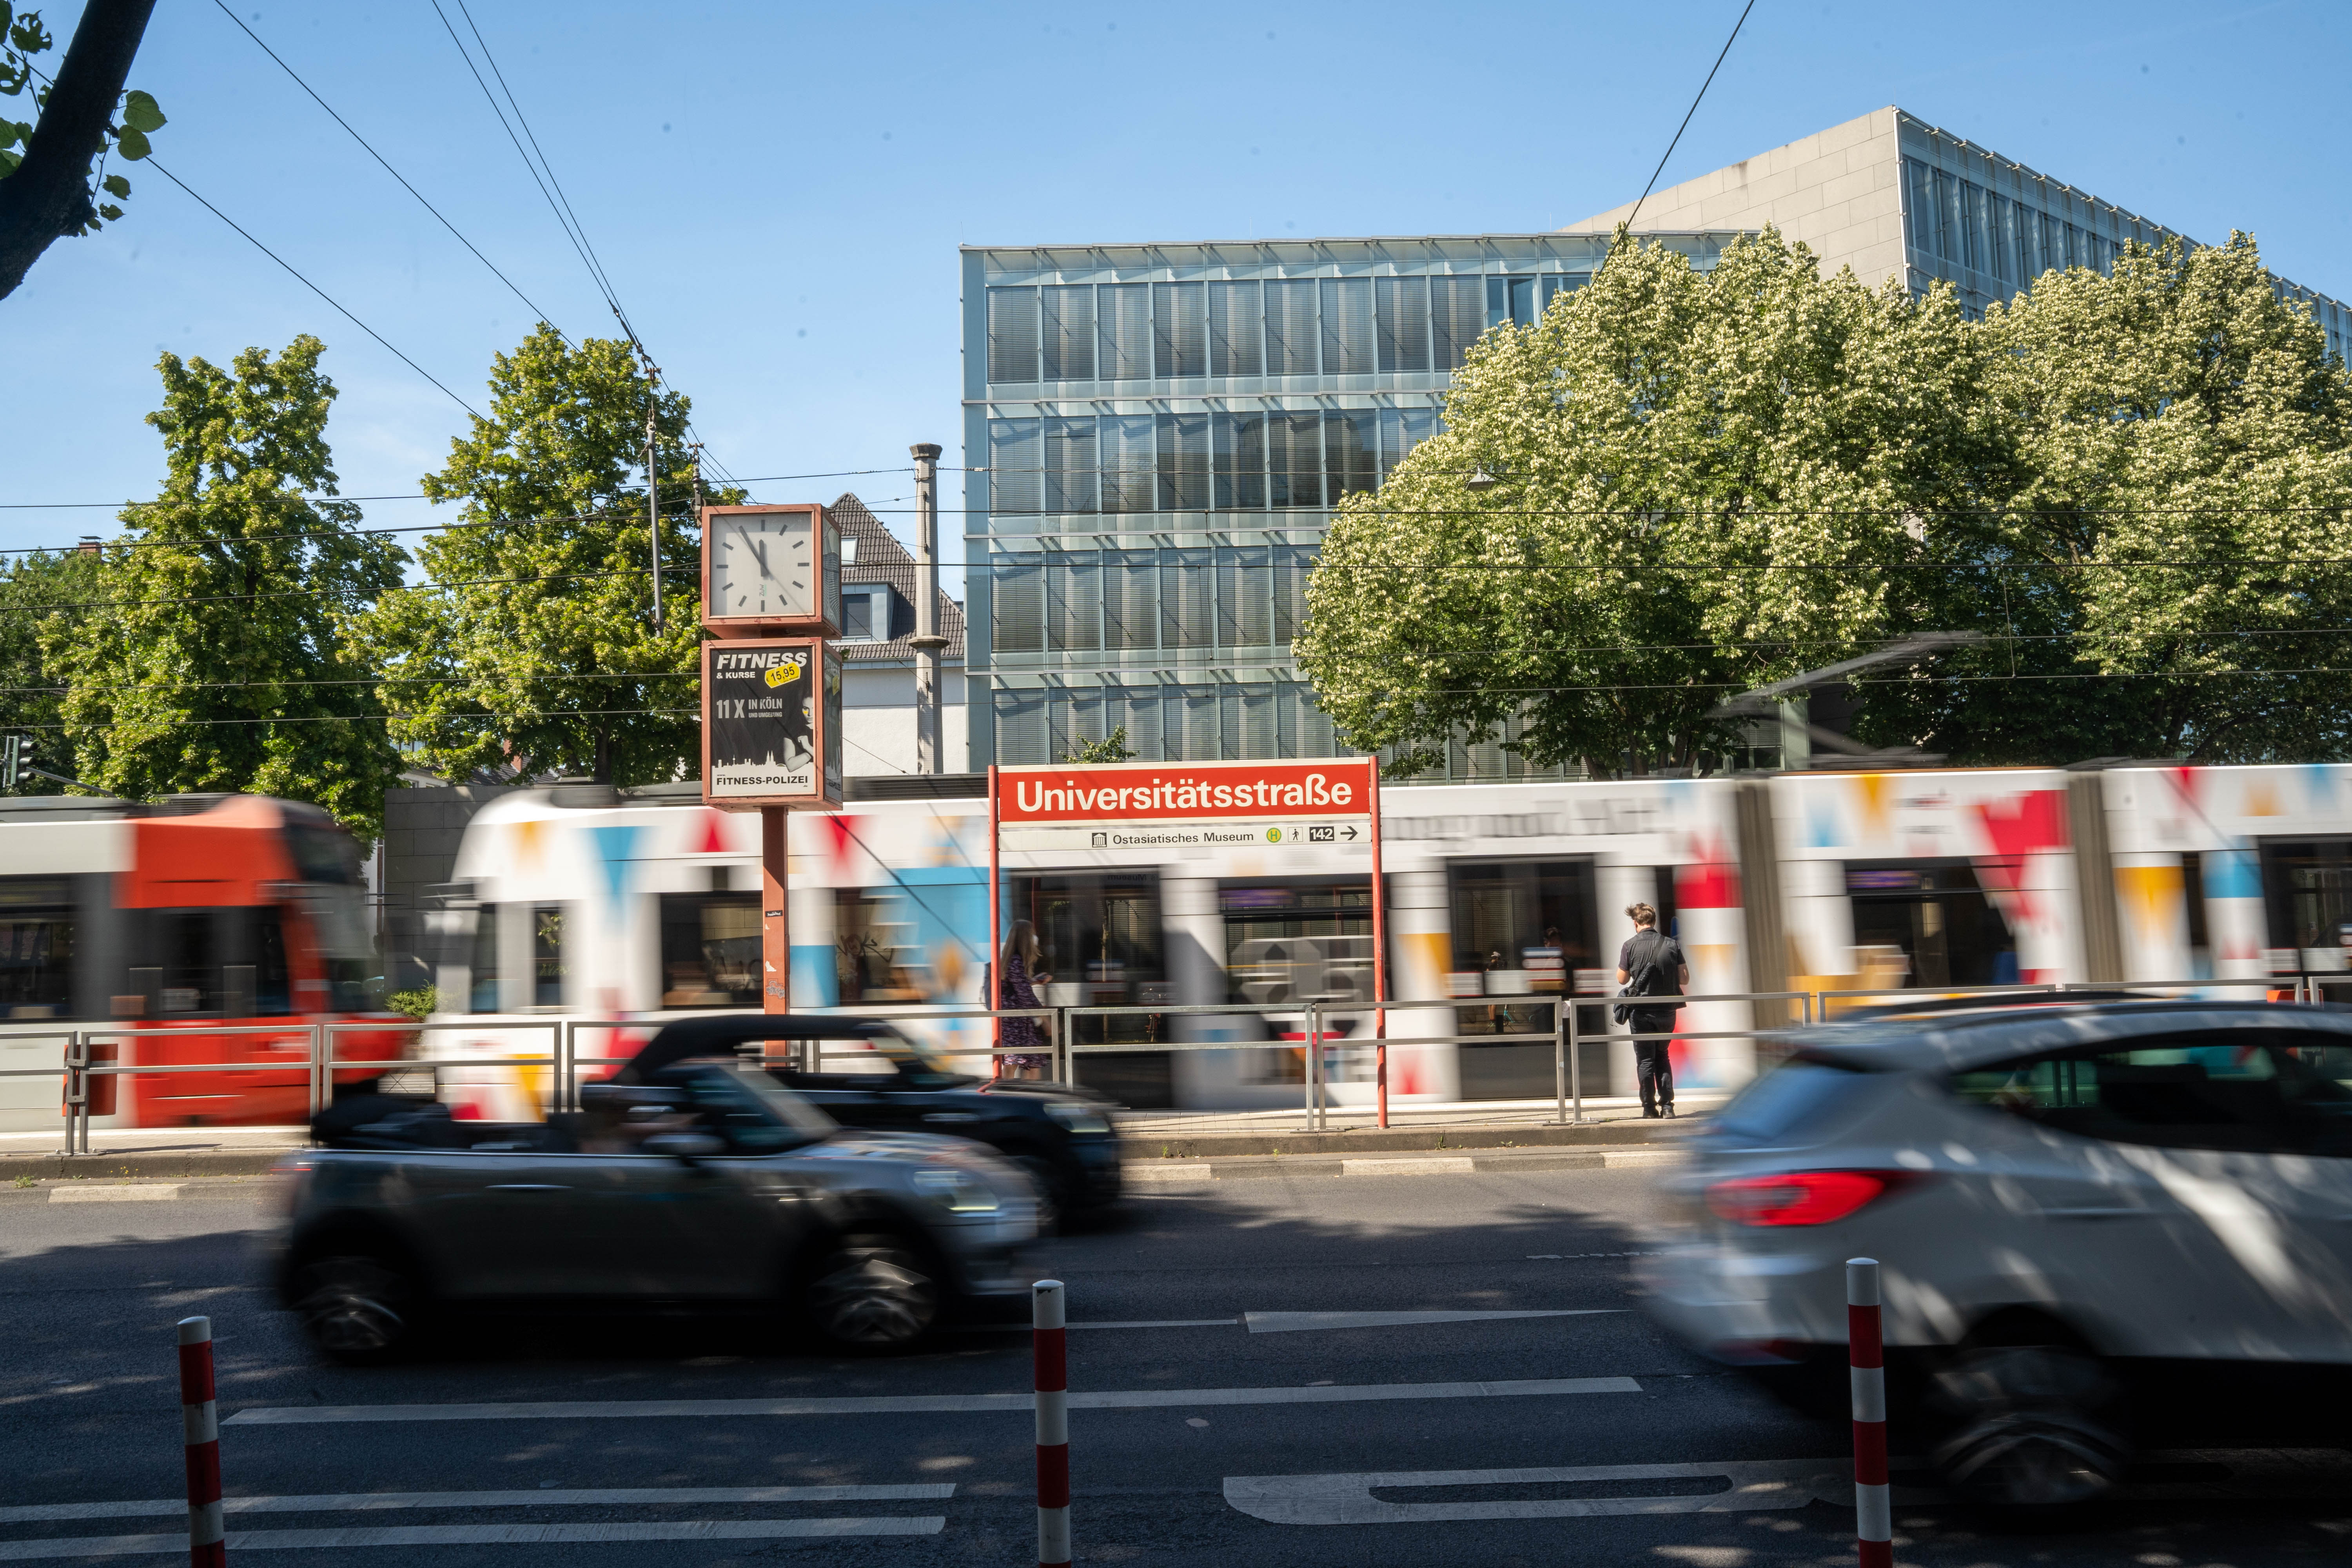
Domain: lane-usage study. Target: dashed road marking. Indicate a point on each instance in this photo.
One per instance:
(366, 1502)
(143, 1192)
(473, 1535)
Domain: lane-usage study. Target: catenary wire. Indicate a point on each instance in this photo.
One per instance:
(511, 285)
(1692, 110)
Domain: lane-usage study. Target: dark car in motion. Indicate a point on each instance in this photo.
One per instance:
(690, 1179)
(1061, 1135)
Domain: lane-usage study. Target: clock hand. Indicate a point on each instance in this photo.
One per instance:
(759, 551)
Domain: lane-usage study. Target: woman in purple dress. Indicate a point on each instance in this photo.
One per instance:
(1017, 986)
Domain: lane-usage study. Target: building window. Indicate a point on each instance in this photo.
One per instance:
(1558, 283)
(1018, 592)
(1068, 334)
(1126, 311)
(1457, 315)
(1071, 481)
(1294, 458)
(1183, 444)
(866, 615)
(1290, 327)
(1130, 610)
(1511, 300)
(1402, 429)
(1130, 460)
(1012, 335)
(1179, 336)
(1186, 591)
(1348, 326)
(1239, 462)
(1234, 345)
(1013, 466)
(1351, 452)
(1402, 314)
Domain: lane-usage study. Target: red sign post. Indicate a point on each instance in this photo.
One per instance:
(1279, 807)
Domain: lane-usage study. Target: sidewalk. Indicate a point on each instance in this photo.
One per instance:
(1148, 1137)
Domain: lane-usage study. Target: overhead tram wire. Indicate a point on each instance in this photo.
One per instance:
(511, 285)
(418, 495)
(1687, 114)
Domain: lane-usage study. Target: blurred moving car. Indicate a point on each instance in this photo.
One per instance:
(2085, 1215)
(688, 1179)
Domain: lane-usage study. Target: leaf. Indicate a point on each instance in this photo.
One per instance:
(108, 211)
(140, 113)
(131, 143)
(116, 186)
(8, 162)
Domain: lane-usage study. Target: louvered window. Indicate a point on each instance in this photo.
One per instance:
(1239, 462)
(1235, 342)
(1012, 335)
(1183, 453)
(1069, 333)
(1131, 461)
(1014, 465)
(1130, 600)
(1290, 332)
(1294, 451)
(1187, 593)
(1072, 484)
(1072, 602)
(1017, 585)
(1244, 598)
(1457, 314)
(1125, 312)
(1348, 326)
(1402, 314)
(1179, 330)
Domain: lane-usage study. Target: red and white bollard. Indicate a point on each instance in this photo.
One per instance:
(1053, 1425)
(200, 1419)
(1874, 1512)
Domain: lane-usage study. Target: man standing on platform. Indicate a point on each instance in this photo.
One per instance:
(1651, 964)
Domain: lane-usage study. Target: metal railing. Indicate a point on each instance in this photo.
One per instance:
(81, 1065)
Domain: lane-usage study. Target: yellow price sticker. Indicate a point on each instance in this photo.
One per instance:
(782, 674)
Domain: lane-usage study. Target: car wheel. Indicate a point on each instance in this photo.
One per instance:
(2032, 1427)
(1047, 1185)
(359, 1309)
(872, 1292)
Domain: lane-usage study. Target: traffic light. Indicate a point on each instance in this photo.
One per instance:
(16, 755)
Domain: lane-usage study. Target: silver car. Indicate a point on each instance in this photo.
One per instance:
(703, 1182)
(2084, 1214)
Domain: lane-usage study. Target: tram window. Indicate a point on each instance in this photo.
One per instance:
(188, 943)
(547, 956)
(1927, 923)
(38, 930)
(1526, 918)
(875, 957)
(2307, 891)
(273, 991)
(482, 962)
(710, 949)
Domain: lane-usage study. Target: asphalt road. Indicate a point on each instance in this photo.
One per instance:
(1209, 1429)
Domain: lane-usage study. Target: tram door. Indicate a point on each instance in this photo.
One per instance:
(1927, 924)
(1098, 937)
(1292, 943)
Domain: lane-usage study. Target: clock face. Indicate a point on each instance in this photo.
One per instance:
(763, 565)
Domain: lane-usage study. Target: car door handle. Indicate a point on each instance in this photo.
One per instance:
(530, 1187)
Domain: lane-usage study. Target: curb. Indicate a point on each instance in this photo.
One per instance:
(1153, 1175)
(147, 1166)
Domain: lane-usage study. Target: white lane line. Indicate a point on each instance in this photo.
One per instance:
(1295, 1323)
(341, 1503)
(471, 1535)
(144, 1194)
(916, 1404)
(1139, 1323)
(1348, 1499)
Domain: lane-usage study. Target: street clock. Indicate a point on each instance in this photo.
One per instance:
(770, 570)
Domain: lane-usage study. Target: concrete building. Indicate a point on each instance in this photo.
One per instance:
(1893, 196)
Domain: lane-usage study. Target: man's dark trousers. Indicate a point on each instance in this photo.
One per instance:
(1652, 1069)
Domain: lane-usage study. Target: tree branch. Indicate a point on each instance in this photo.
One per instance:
(48, 196)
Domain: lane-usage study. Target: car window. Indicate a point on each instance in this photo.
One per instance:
(753, 1118)
(1786, 1096)
(2244, 1089)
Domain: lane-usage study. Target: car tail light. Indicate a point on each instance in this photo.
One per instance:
(1801, 1198)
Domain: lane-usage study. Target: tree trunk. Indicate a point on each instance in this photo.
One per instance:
(48, 196)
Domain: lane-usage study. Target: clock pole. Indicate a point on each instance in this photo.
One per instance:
(775, 912)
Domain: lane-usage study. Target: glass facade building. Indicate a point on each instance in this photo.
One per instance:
(1154, 435)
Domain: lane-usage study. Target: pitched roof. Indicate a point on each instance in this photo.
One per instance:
(882, 559)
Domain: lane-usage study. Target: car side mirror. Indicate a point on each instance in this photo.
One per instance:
(686, 1146)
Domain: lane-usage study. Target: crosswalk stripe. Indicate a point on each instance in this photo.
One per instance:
(552, 1496)
(471, 1535)
(916, 1404)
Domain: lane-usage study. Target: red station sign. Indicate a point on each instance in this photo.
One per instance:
(1186, 792)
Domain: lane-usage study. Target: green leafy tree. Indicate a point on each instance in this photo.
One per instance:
(1664, 442)
(215, 654)
(534, 651)
(2169, 530)
(31, 699)
(1111, 748)
(53, 167)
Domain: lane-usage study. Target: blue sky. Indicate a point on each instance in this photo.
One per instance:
(777, 191)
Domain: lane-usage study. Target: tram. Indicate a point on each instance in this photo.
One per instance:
(164, 924)
(1500, 897)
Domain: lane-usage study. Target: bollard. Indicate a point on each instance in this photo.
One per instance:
(200, 1421)
(1873, 1508)
(1052, 1426)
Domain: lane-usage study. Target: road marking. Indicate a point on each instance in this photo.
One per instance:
(1439, 1165)
(1348, 1499)
(916, 1404)
(1139, 1323)
(1575, 1256)
(146, 1193)
(1294, 1323)
(471, 1535)
(343, 1503)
